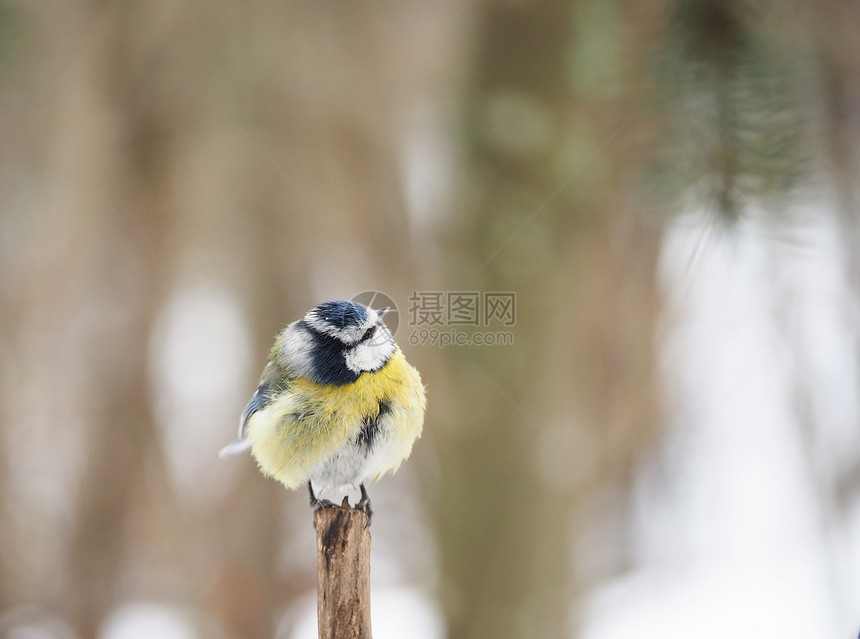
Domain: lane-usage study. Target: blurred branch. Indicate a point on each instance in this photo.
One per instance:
(343, 572)
(736, 121)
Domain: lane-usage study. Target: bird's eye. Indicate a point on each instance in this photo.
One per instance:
(368, 334)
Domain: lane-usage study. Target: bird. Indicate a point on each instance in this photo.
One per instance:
(337, 405)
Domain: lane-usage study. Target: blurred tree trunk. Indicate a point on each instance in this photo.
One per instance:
(132, 231)
(557, 420)
(121, 280)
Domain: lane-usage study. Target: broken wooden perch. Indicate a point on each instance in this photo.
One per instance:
(343, 572)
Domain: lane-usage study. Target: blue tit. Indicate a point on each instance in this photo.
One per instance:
(337, 406)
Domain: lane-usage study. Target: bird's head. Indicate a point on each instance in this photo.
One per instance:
(367, 342)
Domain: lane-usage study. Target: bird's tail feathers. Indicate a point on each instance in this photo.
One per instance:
(234, 448)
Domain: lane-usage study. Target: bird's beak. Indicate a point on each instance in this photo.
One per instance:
(382, 311)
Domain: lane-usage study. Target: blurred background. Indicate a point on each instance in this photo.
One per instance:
(669, 447)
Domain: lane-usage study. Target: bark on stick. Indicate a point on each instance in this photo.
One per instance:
(343, 573)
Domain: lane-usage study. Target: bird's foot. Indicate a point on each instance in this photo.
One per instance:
(316, 504)
(364, 506)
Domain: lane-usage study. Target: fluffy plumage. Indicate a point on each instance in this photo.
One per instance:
(337, 404)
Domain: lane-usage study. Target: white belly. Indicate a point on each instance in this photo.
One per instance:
(357, 463)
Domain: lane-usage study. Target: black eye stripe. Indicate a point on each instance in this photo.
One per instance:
(367, 334)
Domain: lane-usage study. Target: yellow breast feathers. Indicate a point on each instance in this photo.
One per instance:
(309, 423)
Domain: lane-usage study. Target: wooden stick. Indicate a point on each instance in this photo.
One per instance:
(343, 572)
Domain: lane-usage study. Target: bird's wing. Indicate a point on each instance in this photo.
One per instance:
(289, 358)
(259, 400)
(273, 382)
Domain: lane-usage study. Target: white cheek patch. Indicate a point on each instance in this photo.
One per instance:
(296, 350)
(368, 356)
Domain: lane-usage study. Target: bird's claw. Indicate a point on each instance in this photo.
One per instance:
(364, 506)
(316, 504)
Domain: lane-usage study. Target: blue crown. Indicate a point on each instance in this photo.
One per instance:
(341, 314)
